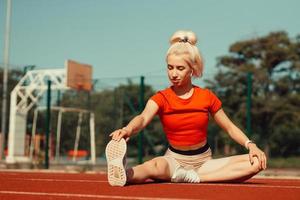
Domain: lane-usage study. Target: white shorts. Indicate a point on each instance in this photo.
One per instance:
(186, 161)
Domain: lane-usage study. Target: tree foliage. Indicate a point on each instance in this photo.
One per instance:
(274, 61)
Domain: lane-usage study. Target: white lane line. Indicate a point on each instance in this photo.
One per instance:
(87, 196)
(55, 180)
(253, 185)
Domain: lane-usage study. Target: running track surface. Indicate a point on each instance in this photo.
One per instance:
(63, 186)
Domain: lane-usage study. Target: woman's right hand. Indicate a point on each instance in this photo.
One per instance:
(121, 133)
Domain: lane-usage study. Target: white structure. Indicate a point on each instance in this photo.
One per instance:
(23, 97)
(60, 111)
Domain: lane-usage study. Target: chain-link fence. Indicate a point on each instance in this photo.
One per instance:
(270, 118)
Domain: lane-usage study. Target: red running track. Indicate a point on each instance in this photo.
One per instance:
(63, 186)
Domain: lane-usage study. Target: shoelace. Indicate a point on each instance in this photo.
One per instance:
(191, 177)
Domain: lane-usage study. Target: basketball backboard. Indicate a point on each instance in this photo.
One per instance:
(79, 76)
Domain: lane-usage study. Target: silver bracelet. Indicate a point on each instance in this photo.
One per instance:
(247, 143)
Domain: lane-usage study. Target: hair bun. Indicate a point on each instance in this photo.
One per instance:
(184, 36)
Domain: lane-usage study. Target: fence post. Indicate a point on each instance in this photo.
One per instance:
(249, 102)
(48, 118)
(141, 107)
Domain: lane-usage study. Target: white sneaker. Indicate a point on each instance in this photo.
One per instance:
(182, 175)
(116, 162)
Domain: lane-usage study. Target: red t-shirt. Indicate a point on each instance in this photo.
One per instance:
(185, 121)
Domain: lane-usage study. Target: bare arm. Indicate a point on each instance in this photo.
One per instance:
(237, 135)
(227, 125)
(137, 123)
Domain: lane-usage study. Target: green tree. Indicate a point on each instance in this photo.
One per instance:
(274, 61)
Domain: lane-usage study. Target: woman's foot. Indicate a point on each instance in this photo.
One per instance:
(116, 160)
(182, 175)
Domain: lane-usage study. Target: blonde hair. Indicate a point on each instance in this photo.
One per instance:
(184, 43)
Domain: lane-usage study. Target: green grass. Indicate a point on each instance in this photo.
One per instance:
(290, 162)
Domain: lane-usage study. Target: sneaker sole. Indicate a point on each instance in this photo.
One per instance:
(115, 154)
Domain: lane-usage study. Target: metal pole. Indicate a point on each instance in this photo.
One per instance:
(58, 134)
(92, 138)
(58, 98)
(141, 107)
(249, 92)
(78, 130)
(48, 118)
(5, 77)
(33, 131)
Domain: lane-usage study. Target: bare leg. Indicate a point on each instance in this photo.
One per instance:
(157, 169)
(229, 169)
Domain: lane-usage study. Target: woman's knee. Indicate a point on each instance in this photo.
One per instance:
(157, 167)
(255, 166)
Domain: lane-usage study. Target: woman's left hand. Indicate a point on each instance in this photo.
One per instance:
(254, 151)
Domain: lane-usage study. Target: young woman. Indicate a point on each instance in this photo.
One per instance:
(184, 111)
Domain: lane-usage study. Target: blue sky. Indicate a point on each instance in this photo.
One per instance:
(130, 37)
